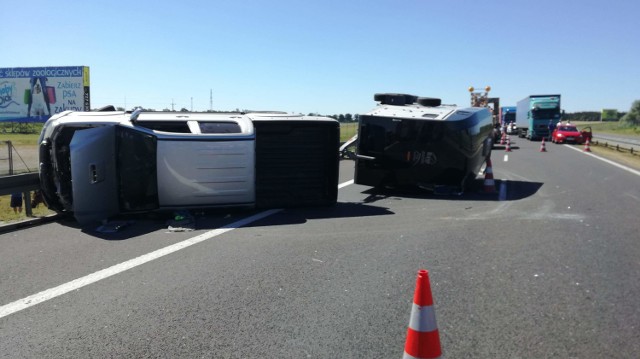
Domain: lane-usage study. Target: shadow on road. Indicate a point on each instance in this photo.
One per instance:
(503, 191)
(205, 220)
(132, 226)
(341, 210)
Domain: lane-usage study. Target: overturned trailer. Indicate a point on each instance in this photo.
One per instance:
(96, 165)
(416, 141)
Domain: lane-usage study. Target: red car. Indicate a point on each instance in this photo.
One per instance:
(567, 134)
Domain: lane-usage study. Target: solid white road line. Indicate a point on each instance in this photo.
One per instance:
(51, 293)
(628, 169)
(342, 185)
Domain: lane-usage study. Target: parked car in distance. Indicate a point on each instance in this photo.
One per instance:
(567, 134)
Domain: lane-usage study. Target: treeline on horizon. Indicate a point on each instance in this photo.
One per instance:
(588, 116)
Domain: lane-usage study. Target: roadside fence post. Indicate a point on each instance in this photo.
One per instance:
(28, 211)
(10, 158)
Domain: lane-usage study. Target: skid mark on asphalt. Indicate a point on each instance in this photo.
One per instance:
(507, 210)
(546, 212)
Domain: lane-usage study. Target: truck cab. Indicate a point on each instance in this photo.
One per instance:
(507, 116)
(534, 113)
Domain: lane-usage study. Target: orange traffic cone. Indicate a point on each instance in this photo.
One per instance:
(503, 138)
(542, 147)
(423, 339)
(586, 146)
(489, 183)
(508, 148)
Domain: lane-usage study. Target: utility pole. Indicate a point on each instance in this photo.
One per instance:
(172, 103)
(192, 104)
(211, 100)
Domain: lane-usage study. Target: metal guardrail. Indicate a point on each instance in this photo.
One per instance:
(19, 183)
(612, 139)
(23, 183)
(617, 147)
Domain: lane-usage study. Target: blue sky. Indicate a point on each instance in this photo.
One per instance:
(331, 56)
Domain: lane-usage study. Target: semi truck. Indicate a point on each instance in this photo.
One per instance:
(507, 115)
(533, 114)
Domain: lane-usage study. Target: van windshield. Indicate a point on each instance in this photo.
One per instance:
(219, 127)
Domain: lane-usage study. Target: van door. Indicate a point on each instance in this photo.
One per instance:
(93, 174)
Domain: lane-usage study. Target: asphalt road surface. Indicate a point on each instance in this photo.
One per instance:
(548, 266)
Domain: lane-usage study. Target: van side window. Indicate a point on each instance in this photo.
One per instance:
(219, 127)
(166, 126)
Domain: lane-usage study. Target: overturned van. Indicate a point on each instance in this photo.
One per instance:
(416, 141)
(96, 165)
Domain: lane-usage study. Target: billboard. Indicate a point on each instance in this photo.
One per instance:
(609, 115)
(33, 94)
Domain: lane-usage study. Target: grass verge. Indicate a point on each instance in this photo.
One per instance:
(621, 156)
(8, 215)
(348, 130)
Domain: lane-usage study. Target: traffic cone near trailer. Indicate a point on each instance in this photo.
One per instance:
(508, 148)
(586, 146)
(489, 183)
(423, 339)
(503, 139)
(542, 147)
